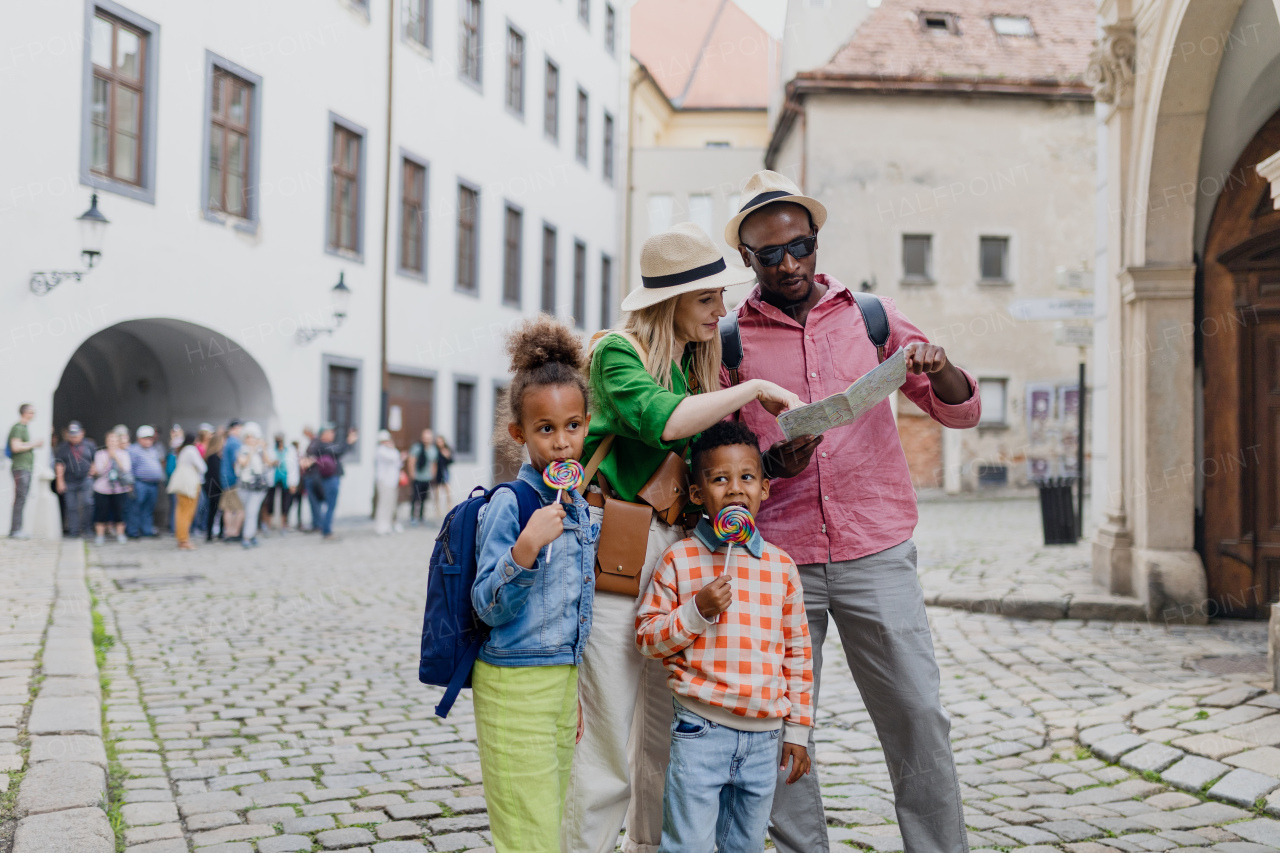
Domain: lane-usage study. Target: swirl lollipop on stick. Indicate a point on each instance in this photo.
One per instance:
(733, 525)
(565, 474)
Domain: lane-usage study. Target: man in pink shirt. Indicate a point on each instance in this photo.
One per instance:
(843, 507)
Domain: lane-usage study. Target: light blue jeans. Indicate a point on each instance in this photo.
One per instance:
(719, 788)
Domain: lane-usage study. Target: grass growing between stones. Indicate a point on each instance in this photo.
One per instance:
(116, 774)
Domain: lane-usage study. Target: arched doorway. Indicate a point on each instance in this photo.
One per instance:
(1239, 333)
(161, 372)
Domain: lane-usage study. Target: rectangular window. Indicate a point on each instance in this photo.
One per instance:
(468, 237)
(417, 21)
(608, 148)
(549, 269)
(584, 12)
(606, 292)
(610, 28)
(583, 105)
(464, 419)
(118, 53)
(515, 70)
(342, 400)
(469, 47)
(917, 261)
(700, 211)
(551, 105)
(413, 217)
(661, 210)
(994, 401)
(512, 248)
(994, 258)
(345, 168)
(580, 284)
(231, 110)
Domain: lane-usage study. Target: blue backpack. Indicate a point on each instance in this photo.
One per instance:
(452, 633)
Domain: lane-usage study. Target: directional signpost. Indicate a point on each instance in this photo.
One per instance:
(1066, 335)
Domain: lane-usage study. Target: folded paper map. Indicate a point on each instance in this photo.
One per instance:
(851, 404)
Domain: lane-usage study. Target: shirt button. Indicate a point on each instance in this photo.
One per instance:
(825, 498)
(824, 454)
(584, 620)
(814, 375)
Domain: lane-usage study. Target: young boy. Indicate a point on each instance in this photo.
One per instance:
(737, 644)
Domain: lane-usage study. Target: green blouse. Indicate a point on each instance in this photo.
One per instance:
(628, 403)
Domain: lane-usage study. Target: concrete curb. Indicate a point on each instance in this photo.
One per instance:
(1102, 607)
(61, 799)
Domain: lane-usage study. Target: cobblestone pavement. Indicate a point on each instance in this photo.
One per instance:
(1022, 577)
(267, 700)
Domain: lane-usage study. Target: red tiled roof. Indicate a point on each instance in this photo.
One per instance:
(703, 54)
(892, 45)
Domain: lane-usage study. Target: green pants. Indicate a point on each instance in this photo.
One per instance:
(526, 723)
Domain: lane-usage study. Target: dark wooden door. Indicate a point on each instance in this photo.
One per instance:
(1266, 459)
(1238, 332)
(415, 396)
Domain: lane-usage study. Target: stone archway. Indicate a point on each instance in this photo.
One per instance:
(160, 371)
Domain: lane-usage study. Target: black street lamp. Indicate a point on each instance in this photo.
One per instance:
(340, 299)
(93, 227)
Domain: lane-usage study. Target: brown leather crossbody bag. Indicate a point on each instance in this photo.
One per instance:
(624, 530)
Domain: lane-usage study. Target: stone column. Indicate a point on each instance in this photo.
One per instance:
(1110, 73)
(1270, 169)
(1159, 436)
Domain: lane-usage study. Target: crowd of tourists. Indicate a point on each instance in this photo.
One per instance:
(228, 483)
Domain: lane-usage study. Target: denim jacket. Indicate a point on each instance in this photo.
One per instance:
(540, 616)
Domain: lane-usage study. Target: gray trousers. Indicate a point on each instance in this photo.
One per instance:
(78, 500)
(878, 608)
(21, 485)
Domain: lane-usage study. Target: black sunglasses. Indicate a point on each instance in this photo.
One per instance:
(771, 256)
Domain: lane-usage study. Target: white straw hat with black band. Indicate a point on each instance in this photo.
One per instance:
(769, 188)
(681, 260)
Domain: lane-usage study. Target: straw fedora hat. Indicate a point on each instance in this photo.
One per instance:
(766, 188)
(678, 261)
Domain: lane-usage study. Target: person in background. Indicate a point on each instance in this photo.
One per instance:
(232, 501)
(213, 483)
(388, 464)
(255, 470)
(113, 473)
(444, 458)
(185, 485)
(71, 464)
(421, 466)
(296, 449)
(326, 453)
(202, 505)
(284, 483)
(176, 437)
(148, 475)
(22, 454)
(311, 480)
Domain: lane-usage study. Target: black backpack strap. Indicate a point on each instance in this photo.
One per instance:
(731, 345)
(875, 318)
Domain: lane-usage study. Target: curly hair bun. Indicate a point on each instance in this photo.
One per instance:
(544, 340)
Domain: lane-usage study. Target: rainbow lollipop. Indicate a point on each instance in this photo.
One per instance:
(733, 525)
(565, 474)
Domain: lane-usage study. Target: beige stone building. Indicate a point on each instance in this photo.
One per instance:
(955, 152)
(700, 80)
(1189, 304)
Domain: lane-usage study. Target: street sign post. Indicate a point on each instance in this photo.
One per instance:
(1051, 309)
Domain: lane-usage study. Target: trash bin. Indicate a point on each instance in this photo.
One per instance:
(1057, 510)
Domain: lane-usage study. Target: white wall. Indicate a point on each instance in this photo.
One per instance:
(164, 259)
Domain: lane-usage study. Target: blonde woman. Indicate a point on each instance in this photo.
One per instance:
(255, 469)
(653, 402)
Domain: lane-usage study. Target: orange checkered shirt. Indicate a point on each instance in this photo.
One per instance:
(756, 661)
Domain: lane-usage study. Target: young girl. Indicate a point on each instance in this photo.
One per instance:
(526, 680)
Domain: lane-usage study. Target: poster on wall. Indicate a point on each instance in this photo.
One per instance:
(1040, 399)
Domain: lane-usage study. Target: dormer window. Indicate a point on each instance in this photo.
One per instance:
(1012, 25)
(943, 23)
